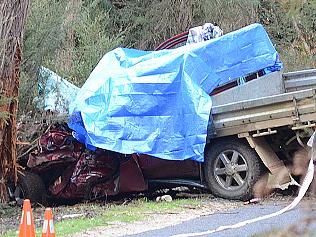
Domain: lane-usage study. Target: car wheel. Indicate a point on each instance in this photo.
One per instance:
(231, 168)
(30, 186)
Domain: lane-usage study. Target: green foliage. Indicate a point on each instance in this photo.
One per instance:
(148, 24)
(277, 22)
(44, 35)
(70, 37)
(231, 14)
(44, 32)
(292, 26)
(86, 42)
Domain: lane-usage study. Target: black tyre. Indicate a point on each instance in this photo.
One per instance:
(231, 168)
(30, 186)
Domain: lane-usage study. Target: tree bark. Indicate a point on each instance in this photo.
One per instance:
(12, 20)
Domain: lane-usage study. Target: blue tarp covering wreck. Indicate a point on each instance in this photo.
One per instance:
(157, 102)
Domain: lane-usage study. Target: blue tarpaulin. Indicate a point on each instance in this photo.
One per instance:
(157, 102)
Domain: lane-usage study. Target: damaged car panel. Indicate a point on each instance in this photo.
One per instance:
(70, 171)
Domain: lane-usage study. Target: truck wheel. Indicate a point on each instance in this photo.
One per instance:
(231, 168)
(30, 186)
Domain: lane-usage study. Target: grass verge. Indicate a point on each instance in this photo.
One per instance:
(96, 215)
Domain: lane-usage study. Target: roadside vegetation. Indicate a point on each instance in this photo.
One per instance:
(70, 37)
(92, 215)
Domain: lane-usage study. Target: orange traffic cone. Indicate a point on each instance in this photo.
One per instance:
(48, 225)
(27, 225)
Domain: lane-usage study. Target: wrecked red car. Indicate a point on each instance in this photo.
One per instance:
(62, 168)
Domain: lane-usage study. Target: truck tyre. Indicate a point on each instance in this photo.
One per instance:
(231, 168)
(30, 186)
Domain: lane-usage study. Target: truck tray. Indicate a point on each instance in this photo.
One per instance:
(259, 116)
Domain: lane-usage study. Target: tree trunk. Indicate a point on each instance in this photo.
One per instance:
(12, 21)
